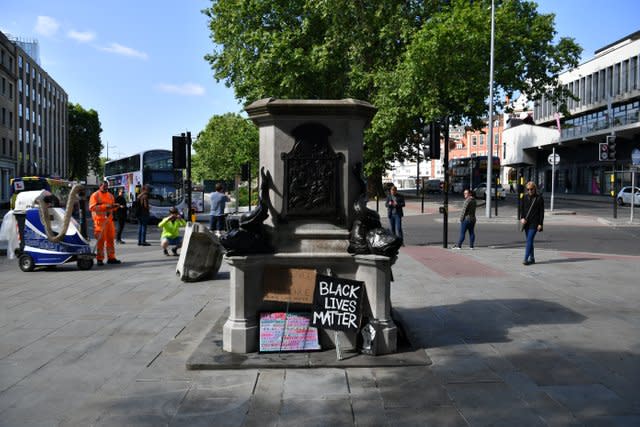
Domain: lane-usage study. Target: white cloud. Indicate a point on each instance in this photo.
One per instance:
(81, 36)
(187, 89)
(46, 26)
(124, 50)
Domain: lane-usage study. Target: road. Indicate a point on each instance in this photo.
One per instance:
(587, 230)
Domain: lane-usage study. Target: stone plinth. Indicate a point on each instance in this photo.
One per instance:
(345, 120)
(240, 332)
(310, 151)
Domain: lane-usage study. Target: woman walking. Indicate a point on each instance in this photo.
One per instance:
(467, 219)
(531, 218)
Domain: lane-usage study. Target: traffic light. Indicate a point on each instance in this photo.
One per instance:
(611, 147)
(244, 173)
(434, 140)
(179, 152)
(603, 151)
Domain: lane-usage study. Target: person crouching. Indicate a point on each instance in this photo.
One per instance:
(171, 231)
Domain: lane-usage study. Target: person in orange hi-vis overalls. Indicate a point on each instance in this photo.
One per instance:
(102, 205)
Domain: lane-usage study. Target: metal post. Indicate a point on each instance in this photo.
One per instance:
(445, 222)
(490, 145)
(553, 175)
(418, 168)
(188, 180)
(496, 191)
(633, 192)
(613, 191)
(422, 189)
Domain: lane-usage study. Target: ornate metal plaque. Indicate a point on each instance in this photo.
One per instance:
(311, 181)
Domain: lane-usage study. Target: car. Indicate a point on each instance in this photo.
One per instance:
(480, 191)
(624, 196)
(433, 186)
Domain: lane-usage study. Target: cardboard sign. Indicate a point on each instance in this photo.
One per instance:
(289, 284)
(287, 332)
(337, 303)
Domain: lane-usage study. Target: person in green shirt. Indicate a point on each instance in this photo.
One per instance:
(171, 231)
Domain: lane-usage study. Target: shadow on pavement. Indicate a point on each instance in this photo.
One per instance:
(480, 321)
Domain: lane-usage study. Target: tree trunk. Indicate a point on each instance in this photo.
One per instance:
(374, 185)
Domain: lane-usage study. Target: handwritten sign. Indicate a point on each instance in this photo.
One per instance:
(287, 332)
(337, 303)
(289, 284)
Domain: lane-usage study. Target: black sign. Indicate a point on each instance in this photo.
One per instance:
(337, 303)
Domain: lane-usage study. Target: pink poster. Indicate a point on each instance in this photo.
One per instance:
(281, 331)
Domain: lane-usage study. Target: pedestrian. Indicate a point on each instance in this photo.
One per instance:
(171, 231)
(121, 214)
(394, 204)
(218, 204)
(102, 205)
(143, 215)
(467, 219)
(531, 218)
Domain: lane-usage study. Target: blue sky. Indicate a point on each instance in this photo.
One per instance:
(140, 64)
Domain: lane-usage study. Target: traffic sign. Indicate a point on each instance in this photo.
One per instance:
(553, 159)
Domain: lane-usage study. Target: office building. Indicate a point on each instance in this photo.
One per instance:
(607, 104)
(35, 106)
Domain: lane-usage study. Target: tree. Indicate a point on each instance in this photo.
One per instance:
(414, 60)
(445, 71)
(310, 49)
(227, 142)
(84, 141)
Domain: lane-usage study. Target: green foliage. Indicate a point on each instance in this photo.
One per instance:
(445, 69)
(84, 141)
(227, 142)
(414, 60)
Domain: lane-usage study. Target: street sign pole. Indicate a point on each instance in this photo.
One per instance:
(553, 176)
(633, 192)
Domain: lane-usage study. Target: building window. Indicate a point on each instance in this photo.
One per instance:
(633, 73)
(481, 139)
(474, 140)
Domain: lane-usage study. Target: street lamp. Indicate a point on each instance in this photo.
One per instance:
(490, 151)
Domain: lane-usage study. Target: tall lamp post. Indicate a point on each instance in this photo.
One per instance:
(490, 145)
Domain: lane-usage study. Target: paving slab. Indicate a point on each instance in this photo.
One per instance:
(554, 344)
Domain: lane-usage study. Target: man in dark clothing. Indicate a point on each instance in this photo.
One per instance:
(143, 216)
(121, 214)
(531, 218)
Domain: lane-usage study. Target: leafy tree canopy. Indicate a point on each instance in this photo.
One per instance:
(84, 141)
(414, 60)
(227, 142)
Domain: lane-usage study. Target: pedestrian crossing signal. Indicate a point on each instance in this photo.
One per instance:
(603, 151)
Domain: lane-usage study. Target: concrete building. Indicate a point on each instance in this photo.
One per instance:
(8, 128)
(463, 142)
(607, 88)
(34, 127)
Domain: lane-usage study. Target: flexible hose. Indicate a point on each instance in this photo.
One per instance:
(46, 220)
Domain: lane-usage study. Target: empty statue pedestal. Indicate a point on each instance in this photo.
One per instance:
(241, 330)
